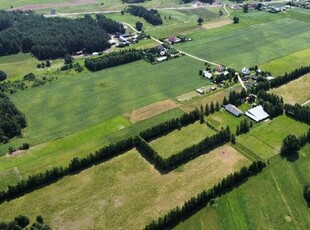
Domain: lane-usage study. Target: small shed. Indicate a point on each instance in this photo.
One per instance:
(207, 74)
(161, 59)
(233, 110)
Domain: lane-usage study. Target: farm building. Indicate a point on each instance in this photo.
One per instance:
(207, 74)
(233, 110)
(245, 71)
(200, 90)
(161, 59)
(257, 113)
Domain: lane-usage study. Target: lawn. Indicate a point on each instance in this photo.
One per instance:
(86, 99)
(239, 45)
(266, 139)
(271, 200)
(286, 64)
(125, 192)
(60, 152)
(178, 140)
(297, 91)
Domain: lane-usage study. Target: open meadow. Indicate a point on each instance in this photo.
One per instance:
(86, 99)
(181, 139)
(125, 192)
(266, 139)
(291, 92)
(248, 45)
(271, 200)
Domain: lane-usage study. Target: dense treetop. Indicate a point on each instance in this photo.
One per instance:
(11, 119)
(49, 38)
(151, 16)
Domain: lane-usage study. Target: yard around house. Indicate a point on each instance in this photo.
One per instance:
(125, 192)
(271, 200)
(181, 139)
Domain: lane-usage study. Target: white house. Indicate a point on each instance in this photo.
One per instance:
(207, 74)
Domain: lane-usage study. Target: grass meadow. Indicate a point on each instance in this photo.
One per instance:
(291, 92)
(280, 66)
(86, 99)
(181, 139)
(266, 139)
(125, 192)
(250, 45)
(271, 200)
(79, 144)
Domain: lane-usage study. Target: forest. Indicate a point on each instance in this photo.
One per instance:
(11, 119)
(151, 16)
(49, 38)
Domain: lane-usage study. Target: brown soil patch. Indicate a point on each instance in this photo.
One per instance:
(15, 153)
(54, 5)
(149, 111)
(216, 24)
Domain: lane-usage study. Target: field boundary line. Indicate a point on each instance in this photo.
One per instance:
(283, 198)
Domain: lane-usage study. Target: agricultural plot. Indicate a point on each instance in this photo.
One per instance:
(266, 139)
(271, 200)
(286, 64)
(126, 191)
(297, 91)
(79, 144)
(238, 47)
(178, 140)
(86, 99)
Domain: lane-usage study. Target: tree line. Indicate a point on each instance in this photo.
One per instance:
(292, 144)
(151, 16)
(243, 127)
(236, 98)
(204, 1)
(184, 156)
(276, 82)
(77, 164)
(48, 38)
(12, 121)
(133, 1)
(22, 222)
(298, 112)
(271, 103)
(194, 204)
(112, 59)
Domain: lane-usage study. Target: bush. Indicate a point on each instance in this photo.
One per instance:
(3, 75)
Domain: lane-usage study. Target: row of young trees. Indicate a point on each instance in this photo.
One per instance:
(298, 112)
(151, 16)
(48, 38)
(77, 164)
(190, 207)
(12, 121)
(243, 127)
(175, 160)
(212, 108)
(112, 59)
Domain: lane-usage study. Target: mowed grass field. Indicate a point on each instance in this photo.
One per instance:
(297, 91)
(86, 99)
(79, 144)
(271, 200)
(123, 193)
(249, 45)
(181, 139)
(286, 64)
(266, 139)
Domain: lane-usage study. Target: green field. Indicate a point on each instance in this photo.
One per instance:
(280, 66)
(17, 65)
(249, 45)
(265, 140)
(86, 99)
(125, 192)
(291, 92)
(181, 139)
(271, 200)
(79, 144)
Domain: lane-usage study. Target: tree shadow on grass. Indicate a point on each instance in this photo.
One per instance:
(292, 157)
